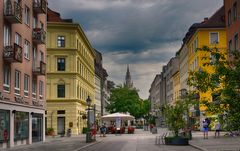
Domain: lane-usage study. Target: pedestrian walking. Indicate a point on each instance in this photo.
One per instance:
(205, 129)
(217, 129)
(103, 130)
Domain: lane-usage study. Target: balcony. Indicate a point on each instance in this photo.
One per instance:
(39, 36)
(40, 6)
(13, 12)
(39, 68)
(13, 53)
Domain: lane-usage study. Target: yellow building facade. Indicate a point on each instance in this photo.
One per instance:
(211, 35)
(70, 77)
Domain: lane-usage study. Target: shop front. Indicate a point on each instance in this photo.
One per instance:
(21, 128)
(37, 127)
(4, 128)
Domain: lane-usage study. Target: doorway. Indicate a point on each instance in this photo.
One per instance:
(61, 125)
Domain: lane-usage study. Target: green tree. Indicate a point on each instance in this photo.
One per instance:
(224, 84)
(123, 99)
(174, 115)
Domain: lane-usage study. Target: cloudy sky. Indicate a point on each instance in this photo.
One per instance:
(142, 33)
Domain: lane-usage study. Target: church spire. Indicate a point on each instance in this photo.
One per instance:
(128, 80)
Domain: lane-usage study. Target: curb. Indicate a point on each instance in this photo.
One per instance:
(198, 147)
(88, 145)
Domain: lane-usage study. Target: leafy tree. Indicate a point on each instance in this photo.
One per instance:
(174, 116)
(123, 99)
(224, 83)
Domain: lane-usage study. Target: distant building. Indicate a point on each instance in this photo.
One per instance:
(101, 94)
(23, 70)
(154, 98)
(70, 74)
(128, 80)
(171, 66)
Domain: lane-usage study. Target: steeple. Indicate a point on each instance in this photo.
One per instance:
(128, 81)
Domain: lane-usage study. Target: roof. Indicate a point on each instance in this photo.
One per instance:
(217, 20)
(53, 16)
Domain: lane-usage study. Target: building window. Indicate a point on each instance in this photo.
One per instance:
(61, 91)
(230, 45)
(40, 89)
(27, 15)
(235, 11)
(27, 49)
(41, 25)
(61, 112)
(18, 39)
(61, 41)
(236, 42)
(34, 87)
(21, 127)
(4, 124)
(17, 82)
(34, 22)
(41, 56)
(61, 64)
(6, 78)
(214, 39)
(26, 85)
(6, 35)
(229, 17)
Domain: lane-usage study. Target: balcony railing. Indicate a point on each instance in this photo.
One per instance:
(13, 53)
(13, 12)
(40, 68)
(39, 36)
(40, 6)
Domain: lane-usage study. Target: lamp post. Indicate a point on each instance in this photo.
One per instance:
(88, 133)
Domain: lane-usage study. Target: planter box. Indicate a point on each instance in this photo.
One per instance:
(176, 141)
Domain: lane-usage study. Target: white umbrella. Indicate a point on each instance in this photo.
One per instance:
(113, 116)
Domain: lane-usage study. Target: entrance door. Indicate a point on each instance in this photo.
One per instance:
(61, 125)
(37, 126)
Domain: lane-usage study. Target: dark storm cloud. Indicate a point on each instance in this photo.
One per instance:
(134, 26)
(143, 33)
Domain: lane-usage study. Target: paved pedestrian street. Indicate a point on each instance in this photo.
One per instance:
(140, 141)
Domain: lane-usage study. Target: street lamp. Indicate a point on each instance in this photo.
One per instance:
(88, 133)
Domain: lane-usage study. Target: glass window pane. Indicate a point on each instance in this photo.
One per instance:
(21, 121)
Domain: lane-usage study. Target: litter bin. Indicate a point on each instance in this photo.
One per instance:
(88, 137)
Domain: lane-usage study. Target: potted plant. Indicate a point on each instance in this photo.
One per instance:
(50, 131)
(174, 119)
(130, 130)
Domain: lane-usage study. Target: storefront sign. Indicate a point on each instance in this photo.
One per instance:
(19, 99)
(35, 102)
(2, 98)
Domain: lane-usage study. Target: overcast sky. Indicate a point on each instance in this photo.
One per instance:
(142, 33)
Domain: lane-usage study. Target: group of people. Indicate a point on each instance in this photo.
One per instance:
(206, 124)
(103, 130)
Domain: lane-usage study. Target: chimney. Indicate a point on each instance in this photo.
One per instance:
(205, 19)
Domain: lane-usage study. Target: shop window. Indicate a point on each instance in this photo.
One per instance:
(21, 127)
(4, 125)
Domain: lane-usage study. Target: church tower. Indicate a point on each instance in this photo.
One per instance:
(128, 81)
